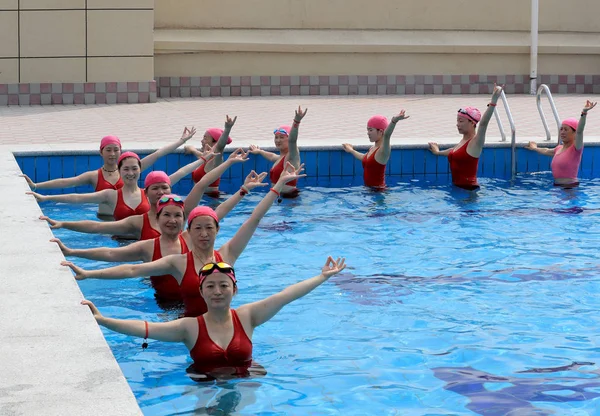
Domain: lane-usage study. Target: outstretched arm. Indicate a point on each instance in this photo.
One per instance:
(234, 247)
(159, 267)
(138, 251)
(579, 137)
(252, 181)
(349, 149)
(434, 148)
(270, 156)
(542, 151)
(476, 145)
(104, 196)
(170, 148)
(127, 226)
(383, 155)
(261, 311)
(86, 178)
(293, 151)
(195, 195)
(172, 331)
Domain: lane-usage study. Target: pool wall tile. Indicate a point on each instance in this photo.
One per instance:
(407, 166)
(347, 164)
(335, 163)
(42, 168)
(419, 156)
(323, 163)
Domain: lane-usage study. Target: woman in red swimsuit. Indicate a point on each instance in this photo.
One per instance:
(108, 177)
(220, 340)
(286, 141)
(374, 161)
(203, 226)
(215, 139)
(464, 157)
(157, 184)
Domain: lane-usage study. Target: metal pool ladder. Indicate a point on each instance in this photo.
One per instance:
(544, 88)
(513, 133)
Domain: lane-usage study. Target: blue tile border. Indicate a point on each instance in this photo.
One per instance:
(413, 161)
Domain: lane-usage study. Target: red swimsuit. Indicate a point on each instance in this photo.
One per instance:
(103, 184)
(166, 286)
(148, 233)
(463, 167)
(122, 210)
(373, 171)
(208, 356)
(199, 173)
(190, 287)
(276, 172)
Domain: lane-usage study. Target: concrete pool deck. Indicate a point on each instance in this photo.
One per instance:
(52, 353)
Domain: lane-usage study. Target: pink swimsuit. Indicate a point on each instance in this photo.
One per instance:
(565, 164)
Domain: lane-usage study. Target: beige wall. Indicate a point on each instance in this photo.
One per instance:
(63, 41)
(555, 15)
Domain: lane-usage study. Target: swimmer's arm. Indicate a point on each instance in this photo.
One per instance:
(349, 149)
(253, 180)
(485, 120)
(127, 226)
(219, 147)
(186, 170)
(541, 150)
(383, 155)
(105, 196)
(433, 148)
(580, 128)
(255, 150)
(138, 251)
(165, 265)
(293, 152)
(263, 310)
(86, 178)
(165, 150)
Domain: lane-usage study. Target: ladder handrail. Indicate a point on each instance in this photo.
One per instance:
(544, 88)
(513, 133)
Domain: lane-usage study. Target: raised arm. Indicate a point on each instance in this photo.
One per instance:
(477, 144)
(270, 156)
(252, 181)
(86, 178)
(170, 148)
(232, 249)
(258, 313)
(172, 331)
(195, 195)
(138, 251)
(190, 167)
(127, 226)
(579, 137)
(165, 265)
(219, 146)
(435, 149)
(349, 149)
(105, 196)
(542, 151)
(293, 152)
(383, 155)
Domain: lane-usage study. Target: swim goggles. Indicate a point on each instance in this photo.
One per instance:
(466, 113)
(171, 198)
(282, 131)
(210, 268)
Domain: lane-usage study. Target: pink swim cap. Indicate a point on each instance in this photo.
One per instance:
(106, 140)
(571, 122)
(470, 113)
(156, 176)
(202, 211)
(126, 155)
(167, 200)
(283, 130)
(378, 122)
(216, 133)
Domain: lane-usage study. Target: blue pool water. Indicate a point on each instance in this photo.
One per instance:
(452, 303)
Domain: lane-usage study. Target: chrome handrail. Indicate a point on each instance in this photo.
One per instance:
(544, 88)
(513, 133)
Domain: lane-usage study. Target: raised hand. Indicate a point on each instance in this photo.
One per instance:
(290, 173)
(187, 134)
(399, 117)
(38, 197)
(333, 267)
(254, 180)
(497, 90)
(93, 309)
(238, 156)
(53, 223)
(80, 274)
(65, 250)
(229, 122)
(31, 183)
(588, 106)
(254, 149)
(347, 147)
(531, 146)
(300, 114)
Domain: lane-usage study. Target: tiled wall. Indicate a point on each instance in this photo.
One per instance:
(408, 162)
(367, 85)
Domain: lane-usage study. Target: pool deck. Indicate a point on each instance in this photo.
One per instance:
(53, 356)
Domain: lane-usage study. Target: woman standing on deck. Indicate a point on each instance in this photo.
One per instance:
(379, 132)
(286, 141)
(464, 157)
(220, 340)
(566, 157)
(108, 176)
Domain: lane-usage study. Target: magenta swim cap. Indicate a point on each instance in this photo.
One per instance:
(378, 122)
(128, 154)
(106, 140)
(470, 113)
(571, 122)
(216, 133)
(202, 211)
(156, 176)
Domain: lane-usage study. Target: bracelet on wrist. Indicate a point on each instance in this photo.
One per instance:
(275, 192)
(491, 105)
(244, 190)
(583, 113)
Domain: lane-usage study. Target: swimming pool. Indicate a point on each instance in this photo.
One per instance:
(453, 303)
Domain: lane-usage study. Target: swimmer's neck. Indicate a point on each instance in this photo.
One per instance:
(218, 316)
(170, 238)
(468, 136)
(204, 255)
